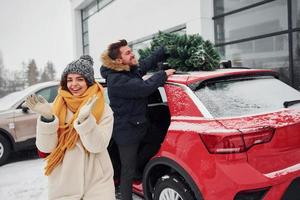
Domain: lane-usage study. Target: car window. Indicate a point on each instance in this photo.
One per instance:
(106, 99)
(163, 94)
(158, 96)
(245, 96)
(49, 93)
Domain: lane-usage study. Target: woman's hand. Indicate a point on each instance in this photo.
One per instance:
(39, 105)
(86, 109)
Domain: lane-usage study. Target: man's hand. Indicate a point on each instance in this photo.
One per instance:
(86, 109)
(39, 105)
(170, 71)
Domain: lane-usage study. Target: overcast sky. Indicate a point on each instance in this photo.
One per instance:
(35, 29)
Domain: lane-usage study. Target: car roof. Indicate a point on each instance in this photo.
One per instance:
(191, 77)
(11, 97)
(100, 80)
(39, 86)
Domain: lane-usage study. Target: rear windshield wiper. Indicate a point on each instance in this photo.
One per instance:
(290, 103)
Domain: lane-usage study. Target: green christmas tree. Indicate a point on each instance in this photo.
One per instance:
(187, 52)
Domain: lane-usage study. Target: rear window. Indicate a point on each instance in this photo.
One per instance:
(245, 96)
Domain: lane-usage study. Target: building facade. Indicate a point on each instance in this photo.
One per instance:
(252, 33)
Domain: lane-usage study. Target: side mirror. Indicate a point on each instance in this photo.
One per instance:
(24, 108)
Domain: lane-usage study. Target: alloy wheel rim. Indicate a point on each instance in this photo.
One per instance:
(169, 194)
(1, 150)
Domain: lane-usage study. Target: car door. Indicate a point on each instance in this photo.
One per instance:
(25, 122)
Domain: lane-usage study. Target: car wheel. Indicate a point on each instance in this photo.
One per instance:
(172, 187)
(4, 150)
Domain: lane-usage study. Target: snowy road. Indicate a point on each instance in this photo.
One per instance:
(23, 179)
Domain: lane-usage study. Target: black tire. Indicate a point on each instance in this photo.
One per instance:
(172, 184)
(4, 150)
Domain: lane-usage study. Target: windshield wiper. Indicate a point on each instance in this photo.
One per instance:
(290, 103)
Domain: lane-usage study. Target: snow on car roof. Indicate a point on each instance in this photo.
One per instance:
(190, 77)
(14, 97)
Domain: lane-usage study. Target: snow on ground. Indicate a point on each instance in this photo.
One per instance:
(23, 179)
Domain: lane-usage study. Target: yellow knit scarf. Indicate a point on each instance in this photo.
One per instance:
(67, 135)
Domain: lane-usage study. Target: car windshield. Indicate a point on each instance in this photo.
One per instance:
(245, 96)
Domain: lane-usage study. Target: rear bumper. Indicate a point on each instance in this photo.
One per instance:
(230, 180)
(287, 190)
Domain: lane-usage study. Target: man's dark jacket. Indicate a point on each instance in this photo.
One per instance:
(128, 94)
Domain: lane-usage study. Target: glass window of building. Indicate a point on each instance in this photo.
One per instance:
(255, 21)
(225, 6)
(146, 41)
(87, 12)
(260, 34)
(266, 53)
(296, 59)
(296, 13)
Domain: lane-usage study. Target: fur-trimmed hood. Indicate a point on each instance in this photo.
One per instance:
(111, 64)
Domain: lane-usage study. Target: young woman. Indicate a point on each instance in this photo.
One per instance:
(76, 131)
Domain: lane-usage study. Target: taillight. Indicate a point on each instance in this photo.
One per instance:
(236, 141)
(257, 136)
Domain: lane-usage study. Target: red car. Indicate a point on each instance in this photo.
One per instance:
(229, 134)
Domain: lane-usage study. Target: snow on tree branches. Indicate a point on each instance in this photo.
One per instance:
(187, 52)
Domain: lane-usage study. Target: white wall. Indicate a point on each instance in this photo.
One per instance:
(134, 19)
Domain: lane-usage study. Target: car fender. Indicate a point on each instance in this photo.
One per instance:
(9, 137)
(175, 167)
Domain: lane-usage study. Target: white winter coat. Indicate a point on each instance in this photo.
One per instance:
(81, 175)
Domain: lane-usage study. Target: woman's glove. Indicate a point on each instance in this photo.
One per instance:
(39, 105)
(86, 109)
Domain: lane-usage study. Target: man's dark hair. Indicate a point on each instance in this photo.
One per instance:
(114, 49)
